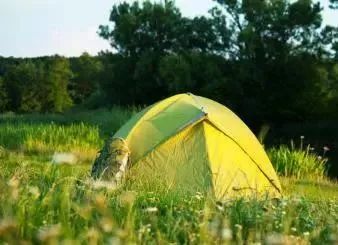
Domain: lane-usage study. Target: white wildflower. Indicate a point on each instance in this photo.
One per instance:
(13, 182)
(48, 233)
(238, 226)
(226, 234)
(220, 208)
(64, 157)
(275, 239)
(106, 225)
(35, 191)
(325, 148)
(199, 196)
(151, 210)
(101, 184)
(114, 241)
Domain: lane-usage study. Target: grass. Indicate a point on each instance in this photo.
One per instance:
(299, 163)
(44, 203)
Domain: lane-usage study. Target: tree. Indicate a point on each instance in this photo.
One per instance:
(24, 86)
(3, 96)
(142, 36)
(39, 86)
(200, 73)
(334, 4)
(58, 75)
(269, 41)
(86, 71)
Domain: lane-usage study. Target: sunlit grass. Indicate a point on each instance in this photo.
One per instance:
(41, 202)
(44, 203)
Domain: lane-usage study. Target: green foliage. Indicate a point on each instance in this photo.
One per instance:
(334, 4)
(38, 86)
(250, 55)
(58, 76)
(24, 83)
(86, 74)
(198, 73)
(3, 95)
(299, 163)
(277, 45)
(144, 35)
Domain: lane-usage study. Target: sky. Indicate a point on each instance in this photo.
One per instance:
(31, 28)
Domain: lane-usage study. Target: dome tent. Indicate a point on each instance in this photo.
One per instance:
(196, 144)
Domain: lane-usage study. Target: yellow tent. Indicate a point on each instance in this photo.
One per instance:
(196, 144)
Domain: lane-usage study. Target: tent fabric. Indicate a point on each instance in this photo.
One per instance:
(194, 143)
(173, 165)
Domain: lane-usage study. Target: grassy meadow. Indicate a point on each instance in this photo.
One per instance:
(42, 202)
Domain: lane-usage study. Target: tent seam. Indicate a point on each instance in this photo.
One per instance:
(207, 150)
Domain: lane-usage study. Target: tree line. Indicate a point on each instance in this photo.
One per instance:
(268, 60)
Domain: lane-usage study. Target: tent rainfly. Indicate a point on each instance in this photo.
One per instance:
(194, 144)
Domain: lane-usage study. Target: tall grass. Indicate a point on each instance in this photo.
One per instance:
(298, 162)
(49, 204)
(81, 133)
(107, 120)
(45, 139)
(55, 204)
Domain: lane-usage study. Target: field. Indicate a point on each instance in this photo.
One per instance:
(49, 203)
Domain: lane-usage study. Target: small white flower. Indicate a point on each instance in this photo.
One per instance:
(151, 210)
(226, 234)
(106, 225)
(64, 158)
(275, 238)
(100, 184)
(220, 208)
(238, 226)
(198, 197)
(114, 240)
(34, 190)
(13, 182)
(284, 203)
(306, 233)
(46, 233)
(294, 229)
